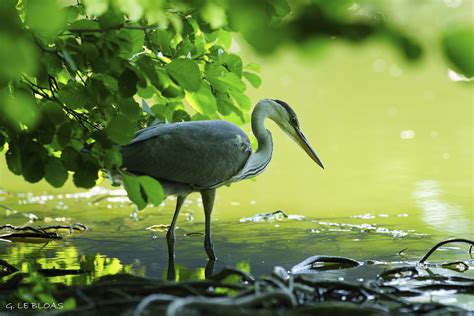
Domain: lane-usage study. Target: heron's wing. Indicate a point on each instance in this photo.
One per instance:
(202, 154)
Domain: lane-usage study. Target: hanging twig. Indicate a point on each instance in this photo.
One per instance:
(121, 26)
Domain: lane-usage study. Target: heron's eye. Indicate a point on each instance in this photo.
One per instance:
(294, 121)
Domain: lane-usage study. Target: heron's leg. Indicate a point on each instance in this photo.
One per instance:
(170, 233)
(209, 270)
(208, 203)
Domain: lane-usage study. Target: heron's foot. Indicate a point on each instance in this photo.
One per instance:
(171, 275)
(209, 249)
(134, 215)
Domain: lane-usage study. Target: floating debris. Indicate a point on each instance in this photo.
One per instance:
(296, 217)
(364, 216)
(321, 263)
(57, 219)
(458, 266)
(270, 217)
(32, 217)
(367, 228)
(159, 228)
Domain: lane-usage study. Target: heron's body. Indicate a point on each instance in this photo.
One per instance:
(201, 156)
(176, 155)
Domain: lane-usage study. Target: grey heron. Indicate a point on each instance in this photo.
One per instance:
(200, 156)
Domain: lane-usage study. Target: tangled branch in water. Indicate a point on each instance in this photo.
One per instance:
(444, 242)
(304, 290)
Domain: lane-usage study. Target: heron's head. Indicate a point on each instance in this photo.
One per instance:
(286, 118)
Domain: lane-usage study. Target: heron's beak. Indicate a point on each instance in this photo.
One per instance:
(303, 142)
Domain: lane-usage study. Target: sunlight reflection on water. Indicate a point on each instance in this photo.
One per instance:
(439, 214)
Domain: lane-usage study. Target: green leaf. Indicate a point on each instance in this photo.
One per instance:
(186, 73)
(96, 7)
(153, 190)
(86, 175)
(224, 39)
(459, 48)
(158, 78)
(120, 130)
(162, 39)
(54, 112)
(214, 14)
(13, 158)
(69, 304)
(227, 108)
(213, 74)
(173, 91)
(129, 108)
(233, 63)
(51, 62)
(281, 7)
(2, 141)
(224, 104)
(45, 130)
(102, 141)
(18, 56)
(90, 51)
(143, 190)
(133, 9)
(242, 100)
(199, 117)
(203, 101)
(32, 163)
(233, 81)
(184, 48)
(254, 79)
(134, 191)
(110, 19)
(55, 172)
(127, 83)
(70, 158)
(44, 17)
(137, 40)
(181, 116)
(147, 92)
(63, 134)
(74, 95)
(112, 158)
(71, 13)
(84, 24)
(199, 45)
(109, 82)
(253, 67)
(20, 108)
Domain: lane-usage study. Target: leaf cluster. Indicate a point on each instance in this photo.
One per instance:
(79, 80)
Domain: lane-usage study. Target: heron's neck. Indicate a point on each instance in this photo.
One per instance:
(259, 160)
(263, 135)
